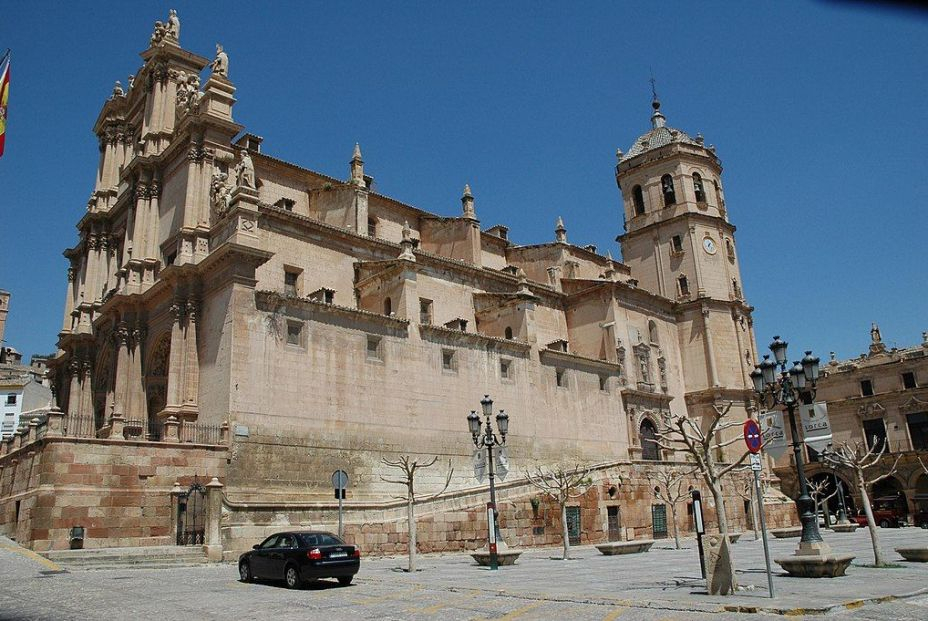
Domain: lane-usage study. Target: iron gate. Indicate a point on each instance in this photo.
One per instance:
(573, 525)
(659, 520)
(191, 516)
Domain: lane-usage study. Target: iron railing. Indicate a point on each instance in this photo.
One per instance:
(200, 433)
(80, 426)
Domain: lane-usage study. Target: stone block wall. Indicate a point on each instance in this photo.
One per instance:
(119, 491)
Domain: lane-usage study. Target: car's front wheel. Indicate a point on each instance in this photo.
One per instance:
(292, 577)
(884, 523)
(244, 571)
(345, 580)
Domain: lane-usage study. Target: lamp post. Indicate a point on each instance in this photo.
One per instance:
(794, 386)
(487, 439)
(842, 509)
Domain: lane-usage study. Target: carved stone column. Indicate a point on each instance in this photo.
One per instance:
(120, 375)
(74, 389)
(86, 395)
(136, 407)
(191, 362)
(176, 371)
(710, 349)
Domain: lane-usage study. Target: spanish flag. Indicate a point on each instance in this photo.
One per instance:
(4, 96)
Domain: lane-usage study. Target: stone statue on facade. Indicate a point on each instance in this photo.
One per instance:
(173, 26)
(219, 193)
(188, 92)
(169, 30)
(220, 64)
(245, 171)
(117, 90)
(876, 340)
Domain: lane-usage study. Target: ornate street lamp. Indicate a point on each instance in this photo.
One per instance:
(487, 439)
(794, 386)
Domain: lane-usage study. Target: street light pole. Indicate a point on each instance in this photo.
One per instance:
(794, 386)
(488, 440)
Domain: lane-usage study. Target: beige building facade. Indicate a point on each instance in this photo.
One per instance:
(878, 398)
(221, 297)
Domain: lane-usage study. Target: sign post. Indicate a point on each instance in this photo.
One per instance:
(700, 529)
(753, 440)
(340, 483)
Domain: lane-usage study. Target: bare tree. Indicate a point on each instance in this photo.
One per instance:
(818, 492)
(668, 486)
(857, 458)
(680, 433)
(561, 484)
(407, 469)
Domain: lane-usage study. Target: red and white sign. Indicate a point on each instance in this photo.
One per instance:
(752, 436)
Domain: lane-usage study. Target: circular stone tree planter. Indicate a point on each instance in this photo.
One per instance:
(813, 566)
(850, 527)
(915, 555)
(503, 557)
(786, 533)
(625, 547)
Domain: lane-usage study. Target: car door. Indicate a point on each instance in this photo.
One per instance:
(260, 559)
(277, 556)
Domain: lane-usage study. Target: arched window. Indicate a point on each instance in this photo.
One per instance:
(638, 197)
(652, 332)
(698, 189)
(508, 333)
(670, 196)
(388, 307)
(648, 435)
(684, 285)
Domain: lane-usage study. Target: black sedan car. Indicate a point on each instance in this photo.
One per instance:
(299, 557)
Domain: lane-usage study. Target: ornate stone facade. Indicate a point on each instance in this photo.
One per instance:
(329, 325)
(879, 397)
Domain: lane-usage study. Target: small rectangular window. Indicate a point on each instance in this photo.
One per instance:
(684, 286)
(425, 311)
(866, 388)
(11, 399)
(505, 369)
(560, 378)
(295, 333)
(286, 204)
(447, 360)
(374, 348)
(676, 243)
(291, 282)
(908, 380)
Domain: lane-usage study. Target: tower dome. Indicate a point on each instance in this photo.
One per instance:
(659, 136)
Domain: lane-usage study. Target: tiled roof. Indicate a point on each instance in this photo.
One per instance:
(659, 136)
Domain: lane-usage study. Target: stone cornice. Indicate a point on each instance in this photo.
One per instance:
(714, 221)
(674, 149)
(633, 395)
(272, 299)
(548, 356)
(443, 334)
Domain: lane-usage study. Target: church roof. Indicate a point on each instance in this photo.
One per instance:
(659, 136)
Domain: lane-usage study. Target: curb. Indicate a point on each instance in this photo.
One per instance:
(852, 604)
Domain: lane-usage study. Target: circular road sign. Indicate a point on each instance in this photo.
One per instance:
(340, 479)
(752, 436)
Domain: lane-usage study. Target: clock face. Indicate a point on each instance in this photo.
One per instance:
(709, 245)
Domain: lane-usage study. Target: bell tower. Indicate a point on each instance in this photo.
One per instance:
(680, 245)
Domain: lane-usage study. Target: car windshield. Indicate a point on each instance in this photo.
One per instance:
(320, 539)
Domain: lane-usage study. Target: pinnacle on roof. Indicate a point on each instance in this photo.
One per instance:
(467, 203)
(357, 153)
(560, 231)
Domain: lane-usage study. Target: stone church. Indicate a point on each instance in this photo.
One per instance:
(233, 315)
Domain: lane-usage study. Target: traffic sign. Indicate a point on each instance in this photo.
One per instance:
(340, 479)
(756, 464)
(752, 435)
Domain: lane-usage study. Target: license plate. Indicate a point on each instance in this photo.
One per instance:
(338, 555)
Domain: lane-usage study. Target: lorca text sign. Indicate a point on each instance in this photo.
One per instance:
(773, 434)
(816, 429)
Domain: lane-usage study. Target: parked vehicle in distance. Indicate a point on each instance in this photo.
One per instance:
(298, 557)
(886, 513)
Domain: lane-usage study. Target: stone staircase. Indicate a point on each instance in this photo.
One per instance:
(152, 557)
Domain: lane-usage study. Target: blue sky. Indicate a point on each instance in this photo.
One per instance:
(818, 111)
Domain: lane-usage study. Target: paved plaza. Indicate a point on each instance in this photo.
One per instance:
(660, 585)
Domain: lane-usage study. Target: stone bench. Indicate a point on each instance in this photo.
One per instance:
(625, 547)
(786, 533)
(734, 537)
(916, 555)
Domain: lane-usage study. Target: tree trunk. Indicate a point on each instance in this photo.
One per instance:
(565, 532)
(755, 512)
(411, 515)
(721, 516)
(871, 526)
(673, 516)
